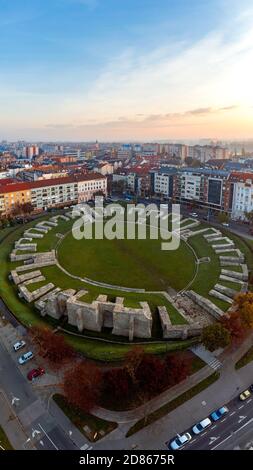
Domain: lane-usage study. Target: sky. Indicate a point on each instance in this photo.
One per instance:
(126, 69)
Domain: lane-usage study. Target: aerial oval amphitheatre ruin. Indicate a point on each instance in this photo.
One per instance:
(128, 288)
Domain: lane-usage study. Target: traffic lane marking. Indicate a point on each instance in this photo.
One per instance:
(49, 438)
(234, 432)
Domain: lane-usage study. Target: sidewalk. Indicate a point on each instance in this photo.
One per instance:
(11, 426)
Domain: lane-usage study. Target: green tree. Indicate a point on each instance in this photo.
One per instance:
(223, 217)
(249, 216)
(215, 336)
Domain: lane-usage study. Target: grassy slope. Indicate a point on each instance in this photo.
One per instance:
(4, 441)
(208, 273)
(245, 359)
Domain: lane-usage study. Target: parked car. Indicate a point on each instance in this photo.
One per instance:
(193, 214)
(34, 373)
(19, 345)
(201, 426)
(225, 224)
(244, 395)
(25, 358)
(179, 441)
(216, 415)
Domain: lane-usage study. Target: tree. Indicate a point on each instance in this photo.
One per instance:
(53, 347)
(249, 216)
(151, 375)
(223, 217)
(235, 326)
(82, 385)
(132, 361)
(27, 208)
(215, 336)
(193, 162)
(22, 210)
(117, 385)
(178, 367)
(244, 306)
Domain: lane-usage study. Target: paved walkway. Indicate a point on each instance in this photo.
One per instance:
(12, 426)
(206, 356)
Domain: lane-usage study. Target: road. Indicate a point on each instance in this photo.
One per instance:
(41, 430)
(225, 434)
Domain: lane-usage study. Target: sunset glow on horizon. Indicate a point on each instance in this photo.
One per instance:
(135, 70)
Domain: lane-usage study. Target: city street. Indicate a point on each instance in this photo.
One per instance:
(226, 432)
(41, 431)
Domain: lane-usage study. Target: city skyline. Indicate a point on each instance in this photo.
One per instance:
(90, 69)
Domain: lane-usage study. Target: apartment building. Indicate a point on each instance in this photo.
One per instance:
(207, 188)
(89, 185)
(162, 182)
(204, 153)
(11, 194)
(56, 192)
(240, 192)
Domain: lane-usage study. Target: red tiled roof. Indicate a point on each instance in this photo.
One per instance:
(4, 181)
(240, 176)
(25, 186)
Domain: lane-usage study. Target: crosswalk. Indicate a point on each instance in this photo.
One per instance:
(206, 356)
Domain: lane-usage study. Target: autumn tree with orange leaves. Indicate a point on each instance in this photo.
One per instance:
(244, 306)
(51, 346)
(82, 385)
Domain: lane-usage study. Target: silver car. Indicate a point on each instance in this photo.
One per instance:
(25, 358)
(199, 427)
(180, 441)
(20, 344)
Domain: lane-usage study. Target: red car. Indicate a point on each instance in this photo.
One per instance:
(34, 373)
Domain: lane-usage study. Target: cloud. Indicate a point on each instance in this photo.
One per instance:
(168, 119)
(201, 85)
(174, 77)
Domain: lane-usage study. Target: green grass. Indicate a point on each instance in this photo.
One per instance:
(98, 427)
(27, 314)
(208, 273)
(131, 299)
(245, 246)
(245, 359)
(173, 404)
(114, 352)
(230, 285)
(4, 441)
(129, 263)
(237, 269)
(207, 277)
